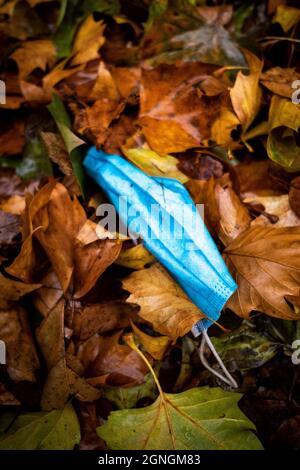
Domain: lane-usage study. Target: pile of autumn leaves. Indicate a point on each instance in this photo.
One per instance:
(145, 112)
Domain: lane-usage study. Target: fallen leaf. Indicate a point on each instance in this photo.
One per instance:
(264, 262)
(13, 290)
(88, 41)
(173, 115)
(284, 122)
(34, 55)
(22, 360)
(246, 93)
(154, 164)
(136, 257)
(56, 430)
(60, 219)
(156, 346)
(294, 195)
(234, 216)
(72, 142)
(223, 127)
(245, 348)
(116, 362)
(102, 318)
(7, 398)
(199, 418)
(124, 398)
(12, 139)
(57, 151)
(9, 228)
(279, 80)
(287, 17)
(277, 206)
(187, 33)
(163, 303)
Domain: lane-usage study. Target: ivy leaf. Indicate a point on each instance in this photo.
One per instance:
(245, 348)
(197, 419)
(56, 430)
(72, 142)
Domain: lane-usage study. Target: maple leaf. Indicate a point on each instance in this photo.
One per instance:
(265, 264)
(200, 418)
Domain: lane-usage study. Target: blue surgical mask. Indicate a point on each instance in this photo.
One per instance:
(171, 228)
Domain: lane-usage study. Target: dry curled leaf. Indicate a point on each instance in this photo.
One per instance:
(265, 264)
(163, 303)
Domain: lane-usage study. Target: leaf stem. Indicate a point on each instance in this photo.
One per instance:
(130, 341)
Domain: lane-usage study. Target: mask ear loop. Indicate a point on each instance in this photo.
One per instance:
(228, 379)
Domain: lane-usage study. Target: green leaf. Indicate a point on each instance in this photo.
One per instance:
(69, 17)
(284, 122)
(109, 7)
(34, 163)
(199, 418)
(124, 398)
(56, 430)
(72, 142)
(245, 348)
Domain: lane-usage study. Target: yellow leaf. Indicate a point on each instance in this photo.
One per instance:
(155, 164)
(135, 258)
(155, 346)
(88, 41)
(246, 93)
(287, 17)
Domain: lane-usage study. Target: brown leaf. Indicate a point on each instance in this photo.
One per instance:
(294, 195)
(163, 303)
(94, 121)
(13, 290)
(265, 264)
(92, 258)
(60, 219)
(102, 318)
(57, 151)
(12, 139)
(234, 216)
(174, 115)
(117, 362)
(34, 55)
(277, 211)
(61, 380)
(6, 397)
(279, 80)
(21, 356)
(9, 228)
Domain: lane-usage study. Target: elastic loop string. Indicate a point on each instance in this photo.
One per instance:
(229, 380)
